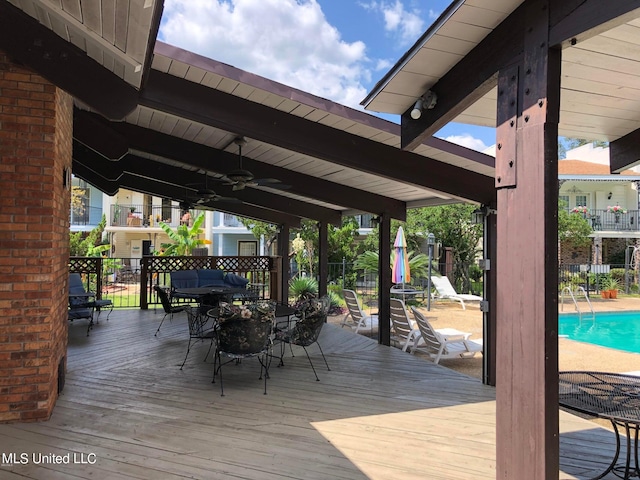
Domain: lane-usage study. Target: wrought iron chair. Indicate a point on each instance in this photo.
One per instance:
(311, 316)
(81, 305)
(77, 287)
(244, 331)
(168, 308)
(198, 330)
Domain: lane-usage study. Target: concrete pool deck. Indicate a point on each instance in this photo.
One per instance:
(572, 355)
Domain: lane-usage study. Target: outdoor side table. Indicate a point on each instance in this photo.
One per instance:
(613, 396)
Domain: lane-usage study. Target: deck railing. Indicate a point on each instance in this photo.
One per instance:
(129, 282)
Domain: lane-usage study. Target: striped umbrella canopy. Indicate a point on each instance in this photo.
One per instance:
(400, 273)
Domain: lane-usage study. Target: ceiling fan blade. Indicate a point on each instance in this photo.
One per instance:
(271, 183)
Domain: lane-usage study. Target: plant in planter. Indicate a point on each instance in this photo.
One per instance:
(611, 285)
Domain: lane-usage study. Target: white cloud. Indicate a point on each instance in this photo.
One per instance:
(467, 140)
(287, 41)
(406, 23)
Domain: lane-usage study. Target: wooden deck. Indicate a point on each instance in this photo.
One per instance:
(378, 414)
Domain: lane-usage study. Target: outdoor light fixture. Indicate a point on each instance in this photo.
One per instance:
(609, 196)
(425, 102)
(416, 113)
(477, 216)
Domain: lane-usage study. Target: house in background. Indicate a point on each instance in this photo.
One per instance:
(133, 231)
(87, 208)
(608, 201)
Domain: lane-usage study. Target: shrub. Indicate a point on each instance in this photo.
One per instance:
(303, 287)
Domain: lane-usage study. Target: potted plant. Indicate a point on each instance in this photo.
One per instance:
(611, 286)
(131, 210)
(580, 209)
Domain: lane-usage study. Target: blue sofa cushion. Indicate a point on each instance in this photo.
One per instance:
(234, 280)
(184, 279)
(210, 278)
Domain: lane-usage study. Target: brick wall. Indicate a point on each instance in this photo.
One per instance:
(35, 152)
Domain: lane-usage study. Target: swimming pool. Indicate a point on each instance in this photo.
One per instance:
(619, 330)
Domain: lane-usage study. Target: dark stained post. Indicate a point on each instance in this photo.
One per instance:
(527, 262)
(323, 258)
(490, 317)
(283, 251)
(384, 280)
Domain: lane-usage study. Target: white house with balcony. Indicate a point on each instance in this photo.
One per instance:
(133, 224)
(608, 201)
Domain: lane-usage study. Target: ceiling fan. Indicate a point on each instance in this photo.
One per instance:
(205, 194)
(240, 178)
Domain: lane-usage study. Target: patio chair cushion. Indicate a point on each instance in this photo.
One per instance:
(210, 278)
(234, 280)
(184, 279)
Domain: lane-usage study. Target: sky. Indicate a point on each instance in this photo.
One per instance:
(335, 49)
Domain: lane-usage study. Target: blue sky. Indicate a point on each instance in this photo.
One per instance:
(336, 49)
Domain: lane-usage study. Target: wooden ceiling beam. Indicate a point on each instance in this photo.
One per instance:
(476, 74)
(234, 114)
(574, 21)
(184, 183)
(468, 81)
(207, 158)
(624, 152)
(63, 64)
(158, 189)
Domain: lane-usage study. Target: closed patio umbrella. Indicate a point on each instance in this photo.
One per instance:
(400, 273)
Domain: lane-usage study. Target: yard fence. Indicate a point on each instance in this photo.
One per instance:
(128, 282)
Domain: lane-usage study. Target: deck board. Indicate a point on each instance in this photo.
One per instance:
(379, 413)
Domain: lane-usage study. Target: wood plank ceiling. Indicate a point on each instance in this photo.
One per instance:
(600, 92)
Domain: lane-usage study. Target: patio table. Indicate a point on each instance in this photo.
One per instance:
(613, 396)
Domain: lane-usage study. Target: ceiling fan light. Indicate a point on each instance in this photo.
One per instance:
(240, 176)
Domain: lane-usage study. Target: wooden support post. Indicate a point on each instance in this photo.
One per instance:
(527, 442)
(323, 258)
(283, 251)
(384, 280)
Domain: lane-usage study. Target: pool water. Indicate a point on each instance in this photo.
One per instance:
(619, 330)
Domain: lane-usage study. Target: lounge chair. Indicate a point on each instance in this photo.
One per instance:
(405, 333)
(359, 319)
(439, 344)
(446, 290)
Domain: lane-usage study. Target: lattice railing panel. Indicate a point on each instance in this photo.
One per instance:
(156, 270)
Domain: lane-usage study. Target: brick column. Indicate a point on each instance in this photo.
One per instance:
(36, 122)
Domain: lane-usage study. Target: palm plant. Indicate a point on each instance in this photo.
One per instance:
(302, 288)
(184, 238)
(418, 264)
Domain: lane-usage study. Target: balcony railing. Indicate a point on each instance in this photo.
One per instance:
(606, 220)
(86, 216)
(229, 220)
(149, 216)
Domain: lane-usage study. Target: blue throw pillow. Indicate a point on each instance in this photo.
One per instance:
(235, 280)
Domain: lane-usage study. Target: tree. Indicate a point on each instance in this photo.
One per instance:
(260, 229)
(452, 227)
(573, 228)
(184, 238)
(91, 245)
